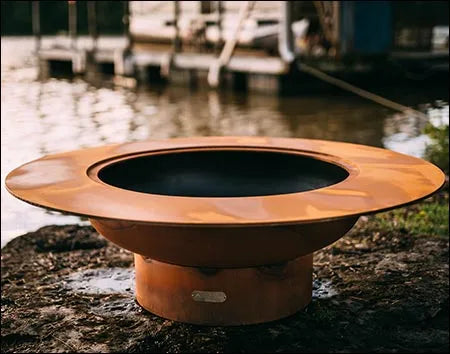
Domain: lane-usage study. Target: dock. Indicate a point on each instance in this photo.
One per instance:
(253, 45)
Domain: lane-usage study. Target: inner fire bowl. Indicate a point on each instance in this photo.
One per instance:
(224, 228)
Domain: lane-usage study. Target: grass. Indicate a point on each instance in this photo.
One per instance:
(437, 151)
(431, 216)
(427, 218)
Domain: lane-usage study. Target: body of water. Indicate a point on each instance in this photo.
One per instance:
(55, 115)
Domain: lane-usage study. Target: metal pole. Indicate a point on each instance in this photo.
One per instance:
(36, 20)
(73, 23)
(177, 41)
(92, 22)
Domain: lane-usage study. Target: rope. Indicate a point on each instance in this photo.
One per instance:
(359, 91)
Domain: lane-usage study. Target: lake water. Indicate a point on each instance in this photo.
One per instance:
(55, 115)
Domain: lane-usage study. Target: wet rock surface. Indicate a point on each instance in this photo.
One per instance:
(66, 289)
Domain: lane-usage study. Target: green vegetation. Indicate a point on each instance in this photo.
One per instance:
(437, 151)
(427, 218)
(431, 217)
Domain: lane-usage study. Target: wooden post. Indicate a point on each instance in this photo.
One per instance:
(92, 22)
(73, 23)
(285, 36)
(126, 24)
(336, 25)
(177, 41)
(230, 44)
(219, 26)
(36, 20)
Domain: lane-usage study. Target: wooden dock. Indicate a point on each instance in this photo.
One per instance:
(251, 44)
(179, 42)
(139, 65)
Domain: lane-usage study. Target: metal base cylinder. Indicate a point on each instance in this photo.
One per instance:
(223, 296)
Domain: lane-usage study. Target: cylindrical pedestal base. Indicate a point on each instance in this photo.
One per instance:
(223, 296)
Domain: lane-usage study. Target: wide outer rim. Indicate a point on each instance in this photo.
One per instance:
(379, 180)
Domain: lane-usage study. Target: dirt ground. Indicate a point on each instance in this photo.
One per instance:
(377, 290)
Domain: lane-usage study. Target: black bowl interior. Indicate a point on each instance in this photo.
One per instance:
(222, 173)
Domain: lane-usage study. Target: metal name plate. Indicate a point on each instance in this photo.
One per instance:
(208, 296)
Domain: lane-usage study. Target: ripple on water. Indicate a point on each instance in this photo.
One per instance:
(55, 115)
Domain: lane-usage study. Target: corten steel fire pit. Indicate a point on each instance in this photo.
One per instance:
(224, 228)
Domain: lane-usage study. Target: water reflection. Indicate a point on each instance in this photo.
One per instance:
(403, 133)
(57, 115)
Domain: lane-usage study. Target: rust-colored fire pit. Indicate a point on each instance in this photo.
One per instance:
(224, 228)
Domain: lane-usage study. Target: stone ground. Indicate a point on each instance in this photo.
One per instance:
(382, 288)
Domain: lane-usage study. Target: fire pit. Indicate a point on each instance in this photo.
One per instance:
(224, 228)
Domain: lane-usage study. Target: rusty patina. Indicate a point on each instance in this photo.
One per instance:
(176, 237)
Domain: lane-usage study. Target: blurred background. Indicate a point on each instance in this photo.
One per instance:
(76, 74)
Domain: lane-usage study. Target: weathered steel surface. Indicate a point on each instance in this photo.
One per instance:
(378, 180)
(231, 296)
(204, 259)
(223, 247)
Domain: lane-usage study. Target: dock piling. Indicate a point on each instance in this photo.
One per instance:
(126, 25)
(92, 23)
(177, 39)
(36, 22)
(72, 11)
(219, 26)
